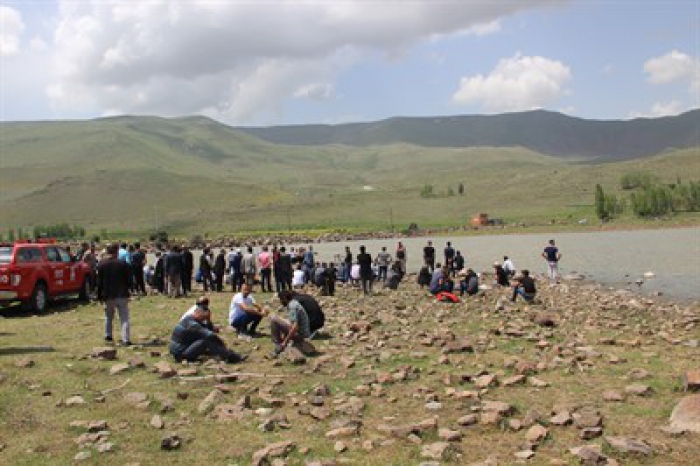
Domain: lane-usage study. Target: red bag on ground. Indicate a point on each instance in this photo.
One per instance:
(445, 297)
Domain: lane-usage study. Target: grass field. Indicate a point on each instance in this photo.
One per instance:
(129, 176)
(580, 363)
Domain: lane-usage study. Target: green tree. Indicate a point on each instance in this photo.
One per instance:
(460, 189)
(427, 191)
(450, 191)
(11, 235)
(600, 205)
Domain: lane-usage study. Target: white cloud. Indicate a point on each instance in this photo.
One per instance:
(236, 60)
(315, 91)
(673, 67)
(11, 28)
(517, 83)
(662, 109)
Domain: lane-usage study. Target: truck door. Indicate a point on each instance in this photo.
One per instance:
(57, 271)
(70, 277)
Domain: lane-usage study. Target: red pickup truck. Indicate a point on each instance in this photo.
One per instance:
(32, 273)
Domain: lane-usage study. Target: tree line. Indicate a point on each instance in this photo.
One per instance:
(58, 231)
(649, 197)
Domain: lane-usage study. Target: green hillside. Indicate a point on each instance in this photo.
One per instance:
(194, 175)
(540, 131)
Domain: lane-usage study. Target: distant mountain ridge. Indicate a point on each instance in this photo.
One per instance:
(542, 131)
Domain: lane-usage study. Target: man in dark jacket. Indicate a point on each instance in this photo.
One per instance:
(195, 336)
(365, 261)
(317, 318)
(138, 260)
(283, 271)
(220, 270)
(113, 282)
(205, 268)
(173, 270)
(187, 269)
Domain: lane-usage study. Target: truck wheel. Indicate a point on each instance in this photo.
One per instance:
(85, 291)
(39, 298)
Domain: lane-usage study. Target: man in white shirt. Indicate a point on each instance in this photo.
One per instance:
(298, 278)
(245, 314)
(508, 266)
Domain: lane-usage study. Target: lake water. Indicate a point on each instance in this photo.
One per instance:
(611, 257)
(615, 258)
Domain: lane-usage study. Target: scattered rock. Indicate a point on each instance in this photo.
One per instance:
(638, 389)
(629, 445)
(536, 433)
(24, 362)
(119, 368)
(691, 381)
(170, 442)
(436, 451)
(272, 451)
(449, 435)
(686, 414)
(157, 422)
(164, 369)
(107, 353)
(82, 456)
(212, 399)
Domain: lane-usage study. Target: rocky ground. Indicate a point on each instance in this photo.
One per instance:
(587, 376)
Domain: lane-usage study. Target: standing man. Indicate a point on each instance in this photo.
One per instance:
(383, 260)
(187, 269)
(309, 263)
(265, 264)
(401, 256)
(429, 256)
(244, 313)
(173, 270)
(138, 260)
(249, 267)
(552, 255)
(234, 265)
(283, 270)
(205, 268)
(449, 257)
(113, 276)
(348, 265)
(459, 261)
(220, 270)
(365, 262)
(90, 258)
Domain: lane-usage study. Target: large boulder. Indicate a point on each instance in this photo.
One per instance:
(686, 414)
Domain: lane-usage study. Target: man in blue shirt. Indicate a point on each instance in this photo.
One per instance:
(552, 255)
(195, 336)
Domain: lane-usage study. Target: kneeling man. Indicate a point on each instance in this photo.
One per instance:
(295, 329)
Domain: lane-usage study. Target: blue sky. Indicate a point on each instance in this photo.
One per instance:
(286, 62)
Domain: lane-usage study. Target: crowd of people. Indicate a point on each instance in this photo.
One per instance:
(122, 270)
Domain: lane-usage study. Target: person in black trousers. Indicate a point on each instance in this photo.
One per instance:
(220, 270)
(138, 260)
(365, 261)
(187, 269)
(205, 267)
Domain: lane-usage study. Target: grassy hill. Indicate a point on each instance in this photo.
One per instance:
(194, 175)
(540, 131)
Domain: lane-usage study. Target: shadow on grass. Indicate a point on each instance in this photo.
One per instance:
(15, 350)
(60, 305)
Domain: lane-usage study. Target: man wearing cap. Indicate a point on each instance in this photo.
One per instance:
(244, 313)
(195, 335)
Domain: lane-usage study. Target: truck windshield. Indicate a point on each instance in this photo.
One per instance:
(5, 255)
